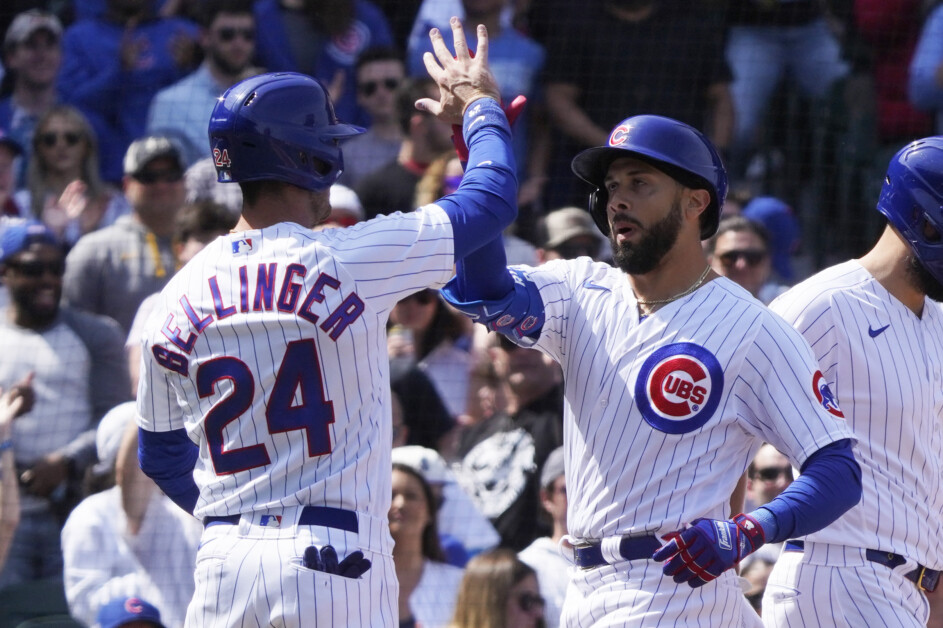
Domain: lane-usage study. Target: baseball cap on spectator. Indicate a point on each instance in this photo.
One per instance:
(553, 467)
(346, 208)
(10, 143)
(124, 610)
(565, 224)
(428, 462)
(146, 149)
(783, 228)
(19, 236)
(110, 433)
(27, 23)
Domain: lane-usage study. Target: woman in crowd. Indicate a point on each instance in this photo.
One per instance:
(427, 585)
(499, 591)
(428, 332)
(64, 188)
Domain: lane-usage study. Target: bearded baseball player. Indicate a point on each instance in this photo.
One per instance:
(264, 396)
(876, 327)
(674, 377)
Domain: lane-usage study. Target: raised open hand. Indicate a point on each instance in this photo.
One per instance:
(462, 79)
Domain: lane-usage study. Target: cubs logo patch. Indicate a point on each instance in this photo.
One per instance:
(679, 387)
(825, 396)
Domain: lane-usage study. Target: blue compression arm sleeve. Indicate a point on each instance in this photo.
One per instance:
(829, 485)
(168, 458)
(483, 274)
(486, 200)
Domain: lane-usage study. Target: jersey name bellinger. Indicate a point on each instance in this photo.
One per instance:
(260, 297)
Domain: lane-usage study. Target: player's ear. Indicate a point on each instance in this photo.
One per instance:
(696, 201)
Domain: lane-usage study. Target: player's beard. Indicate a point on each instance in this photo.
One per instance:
(656, 241)
(921, 279)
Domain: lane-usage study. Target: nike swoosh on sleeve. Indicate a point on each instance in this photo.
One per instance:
(590, 285)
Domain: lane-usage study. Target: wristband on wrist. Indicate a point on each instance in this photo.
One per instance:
(7, 444)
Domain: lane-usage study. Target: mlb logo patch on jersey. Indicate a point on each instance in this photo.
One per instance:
(825, 395)
(242, 246)
(679, 387)
(270, 521)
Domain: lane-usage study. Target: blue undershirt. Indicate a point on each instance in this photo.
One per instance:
(830, 484)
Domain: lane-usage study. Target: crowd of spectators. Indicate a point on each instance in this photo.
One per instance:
(107, 187)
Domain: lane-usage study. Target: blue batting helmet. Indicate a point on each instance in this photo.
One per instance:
(912, 198)
(675, 148)
(279, 126)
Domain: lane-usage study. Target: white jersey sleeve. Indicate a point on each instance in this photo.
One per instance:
(269, 348)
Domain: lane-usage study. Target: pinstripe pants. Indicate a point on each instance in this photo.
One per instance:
(249, 576)
(812, 588)
(636, 594)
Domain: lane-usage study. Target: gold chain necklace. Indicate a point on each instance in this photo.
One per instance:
(694, 286)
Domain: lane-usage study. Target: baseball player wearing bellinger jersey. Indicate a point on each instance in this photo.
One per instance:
(879, 339)
(268, 351)
(674, 377)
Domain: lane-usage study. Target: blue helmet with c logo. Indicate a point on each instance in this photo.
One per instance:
(677, 149)
(278, 126)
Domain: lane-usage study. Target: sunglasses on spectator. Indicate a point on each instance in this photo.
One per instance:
(52, 138)
(529, 601)
(228, 33)
(36, 268)
(773, 473)
(423, 297)
(369, 88)
(752, 257)
(159, 176)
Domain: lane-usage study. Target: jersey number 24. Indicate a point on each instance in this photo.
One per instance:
(300, 371)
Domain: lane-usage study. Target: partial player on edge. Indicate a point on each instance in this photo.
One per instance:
(876, 326)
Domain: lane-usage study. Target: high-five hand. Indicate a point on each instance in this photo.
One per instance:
(462, 79)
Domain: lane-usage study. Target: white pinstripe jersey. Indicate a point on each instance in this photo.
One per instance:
(662, 416)
(885, 366)
(269, 347)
